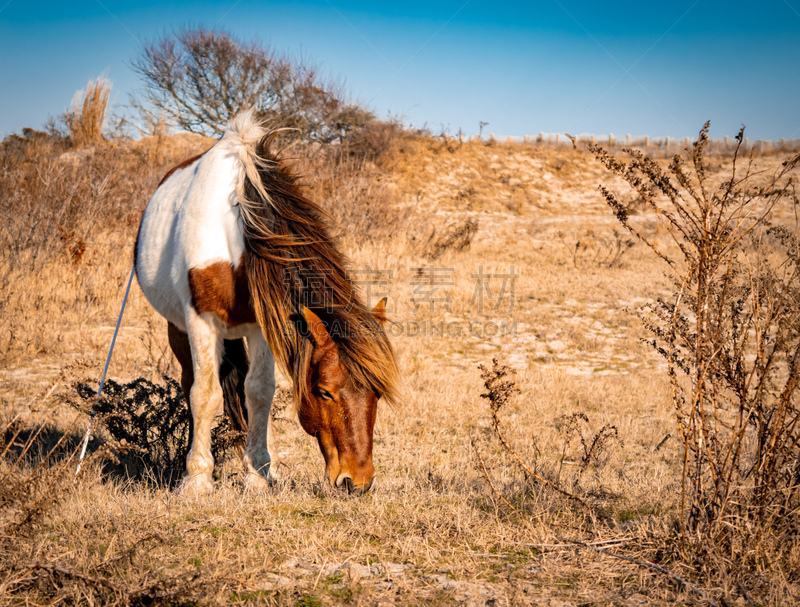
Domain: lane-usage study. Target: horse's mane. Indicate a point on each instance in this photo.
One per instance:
(293, 261)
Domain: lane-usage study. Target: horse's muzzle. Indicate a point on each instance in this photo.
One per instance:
(346, 482)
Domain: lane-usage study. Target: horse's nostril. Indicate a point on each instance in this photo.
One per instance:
(345, 482)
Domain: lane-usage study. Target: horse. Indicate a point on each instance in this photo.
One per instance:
(244, 268)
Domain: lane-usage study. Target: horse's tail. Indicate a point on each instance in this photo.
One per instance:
(232, 372)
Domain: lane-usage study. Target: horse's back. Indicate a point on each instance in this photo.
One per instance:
(191, 222)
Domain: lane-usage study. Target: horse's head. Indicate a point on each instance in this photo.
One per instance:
(339, 411)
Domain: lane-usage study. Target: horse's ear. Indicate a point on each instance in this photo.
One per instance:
(380, 311)
(316, 328)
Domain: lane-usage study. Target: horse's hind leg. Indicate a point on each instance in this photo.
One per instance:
(205, 397)
(232, 373)
(179, 342)
(259, 389)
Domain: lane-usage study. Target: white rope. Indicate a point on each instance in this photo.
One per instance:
(105, 371)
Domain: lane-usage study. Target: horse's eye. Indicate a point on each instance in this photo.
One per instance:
(325, 394)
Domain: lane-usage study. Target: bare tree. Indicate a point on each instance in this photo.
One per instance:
(199, 79)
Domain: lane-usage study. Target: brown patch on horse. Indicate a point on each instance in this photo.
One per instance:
(222, 290)
(182, 165)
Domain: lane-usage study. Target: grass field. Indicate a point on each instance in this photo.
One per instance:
(452, 518)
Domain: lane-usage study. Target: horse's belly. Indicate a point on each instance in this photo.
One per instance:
(159, 267)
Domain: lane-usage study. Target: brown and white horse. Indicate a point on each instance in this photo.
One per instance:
(230, 251)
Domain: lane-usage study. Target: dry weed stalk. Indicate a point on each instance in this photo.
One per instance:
(593, 448)
(731, 339)
(501, 388)
(594, 248)
(485, 472)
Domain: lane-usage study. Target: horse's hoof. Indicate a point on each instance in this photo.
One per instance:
(256, 482)
(197, 484)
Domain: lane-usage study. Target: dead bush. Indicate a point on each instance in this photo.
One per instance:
(589, 509)
(199, 79)
(593, 248)
(455, 237)
(376, 142)
(354, 191)
(596, 446)
(501, 388)
(730, 337)
(153, 421)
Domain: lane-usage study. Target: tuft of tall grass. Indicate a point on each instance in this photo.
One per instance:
(86, 118)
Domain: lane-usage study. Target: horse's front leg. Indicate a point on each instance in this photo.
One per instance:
(205, 399)
(259, 388)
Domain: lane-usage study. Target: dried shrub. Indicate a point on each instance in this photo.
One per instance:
(501, 388)
(595, 446)
(730, 335)
(376, 142)
(353, 190)
(592, 248)
(154, 422)
(453, 237)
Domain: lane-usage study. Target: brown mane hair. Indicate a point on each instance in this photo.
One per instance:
(293, 261)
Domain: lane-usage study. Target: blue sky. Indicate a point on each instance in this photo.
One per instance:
(557, 65)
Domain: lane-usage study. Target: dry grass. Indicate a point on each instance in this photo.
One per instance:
(86, 119)
(442, 524)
